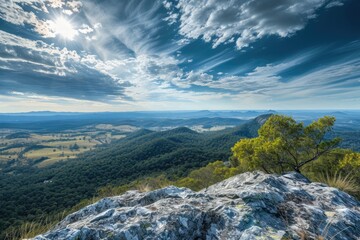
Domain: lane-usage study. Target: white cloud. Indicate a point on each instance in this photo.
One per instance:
(13, 11)
(67, 12)
(335, 4)
(17, 93)
(85, 29)
(244, 22)
(172, 18)
(75, 6)
(167, 4)
(55, 3)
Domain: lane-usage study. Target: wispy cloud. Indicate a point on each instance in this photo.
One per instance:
(256, 80)
(339, 77)
(132, 25)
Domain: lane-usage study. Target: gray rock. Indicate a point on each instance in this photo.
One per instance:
(248, 206)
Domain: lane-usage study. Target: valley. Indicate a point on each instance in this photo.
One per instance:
(27, 147)
(46, 169)
(43, 138)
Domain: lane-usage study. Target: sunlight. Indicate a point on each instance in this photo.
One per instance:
(64, 28)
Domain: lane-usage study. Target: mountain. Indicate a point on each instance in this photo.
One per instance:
(248, 206)
(29, 192)
(67, 122)
(58, 121)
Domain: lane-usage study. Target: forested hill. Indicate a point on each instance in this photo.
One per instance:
(30, 192)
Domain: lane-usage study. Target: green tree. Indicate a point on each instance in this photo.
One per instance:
(284, 144)
(74, 147)
(210, 174)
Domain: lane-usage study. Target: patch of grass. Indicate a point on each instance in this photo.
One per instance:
(45, 223)
(32, 229)
(345, 183)
(150, 184)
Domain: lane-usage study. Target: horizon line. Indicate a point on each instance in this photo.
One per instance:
(185, 110)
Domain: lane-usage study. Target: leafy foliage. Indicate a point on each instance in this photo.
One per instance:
(350, 160)
(283, 144)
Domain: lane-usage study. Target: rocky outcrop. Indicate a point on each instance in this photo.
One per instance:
(248, 206)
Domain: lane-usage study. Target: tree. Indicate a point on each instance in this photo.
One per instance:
(74, 147)
(284, 145)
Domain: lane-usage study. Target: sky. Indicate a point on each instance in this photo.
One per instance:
(130, 55)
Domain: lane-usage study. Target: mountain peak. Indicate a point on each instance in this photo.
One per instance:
(262, 118)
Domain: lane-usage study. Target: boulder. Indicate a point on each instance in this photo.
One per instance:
(252, 205)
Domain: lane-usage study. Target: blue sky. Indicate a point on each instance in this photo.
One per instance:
(69, 55)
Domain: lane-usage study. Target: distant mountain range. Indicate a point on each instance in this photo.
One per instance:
(51, 121)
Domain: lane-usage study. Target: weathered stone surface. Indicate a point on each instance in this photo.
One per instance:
(248, 206)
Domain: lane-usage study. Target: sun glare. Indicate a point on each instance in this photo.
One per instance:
(64, 28)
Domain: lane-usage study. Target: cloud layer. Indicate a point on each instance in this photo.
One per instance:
(140, 54)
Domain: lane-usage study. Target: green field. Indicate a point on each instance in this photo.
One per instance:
(42, 149)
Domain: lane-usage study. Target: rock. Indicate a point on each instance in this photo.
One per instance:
(248, 206)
